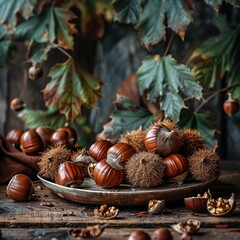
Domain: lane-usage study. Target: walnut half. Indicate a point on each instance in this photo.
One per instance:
(106, 212)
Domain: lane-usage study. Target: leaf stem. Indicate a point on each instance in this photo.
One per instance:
(169, 44)
(62, 50)
(215, 94)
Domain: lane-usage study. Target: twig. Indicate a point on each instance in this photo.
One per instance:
(62, 50)
(213, 95)
(169, 44)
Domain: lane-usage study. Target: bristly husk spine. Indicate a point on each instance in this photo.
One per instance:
(145, 170)
(51, 159)
(134, 138)
(192, 141)
(204, 164)
(170, 124)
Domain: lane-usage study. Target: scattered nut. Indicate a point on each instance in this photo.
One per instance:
(156, 206)
(106, 212)
(139, 235)
(221, 206)
(88, 232)
(191, 226)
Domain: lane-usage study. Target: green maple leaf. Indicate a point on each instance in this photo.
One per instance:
(128, 11)
(51, 25)
(38, 52)
(164, 78)
(219, 55)
(151, 22)
(10, 8)
(200, 121)
(126, 117)
(70, 87)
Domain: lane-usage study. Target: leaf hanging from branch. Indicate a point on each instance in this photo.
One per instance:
(5, 46)
(126, 117)
(51, 25)
(165, 79)
(151, 23)
(128, 11)
(10, 8)
(201, 122)
(70, 87)
(219, 55)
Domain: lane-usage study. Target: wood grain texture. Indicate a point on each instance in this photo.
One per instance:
(17, 218)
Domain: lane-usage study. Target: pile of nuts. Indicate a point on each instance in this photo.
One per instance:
(190, 226)
(205, 195)
(218, 206)
(106, 212)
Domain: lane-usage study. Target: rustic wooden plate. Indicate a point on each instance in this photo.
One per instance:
(126, 195)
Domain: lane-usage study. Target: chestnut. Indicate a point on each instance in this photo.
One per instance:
(121, 152)
(98, 150)
(139, 235)
(230, 106)
(70, 175)
(35, 72)
(162, 234)
(31, 143)
(17, 105)
(107, 176)
(162, 140)
(197, 204)
(221, 207)
(64, 136)
(13, 136)
(175, 164)
(20, 188)
(45, 133)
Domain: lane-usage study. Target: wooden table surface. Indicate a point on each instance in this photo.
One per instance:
(32, 220)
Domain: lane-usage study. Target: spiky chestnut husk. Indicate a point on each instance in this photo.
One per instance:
(204, 164)
(192, 141)
(51, 159)
(162, 140)
(145, 170)
(170, 124)
(134, 138)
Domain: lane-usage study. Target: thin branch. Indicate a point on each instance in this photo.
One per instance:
(169, 44)
(213, 95)
(62, 50)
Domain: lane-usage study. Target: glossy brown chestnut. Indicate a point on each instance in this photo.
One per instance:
(98, 150)
(160, 139)
(139, 235)
(17, 105)
(106, 176)
(123, 151)
(162, 234)
(20, 188)
(198, 204)
(72, 134)
(60, 138)
(70, 175)
(175, 164)
(13, 136)
(45, 133)
(31, 143)
(230, 106)
(35, 72)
